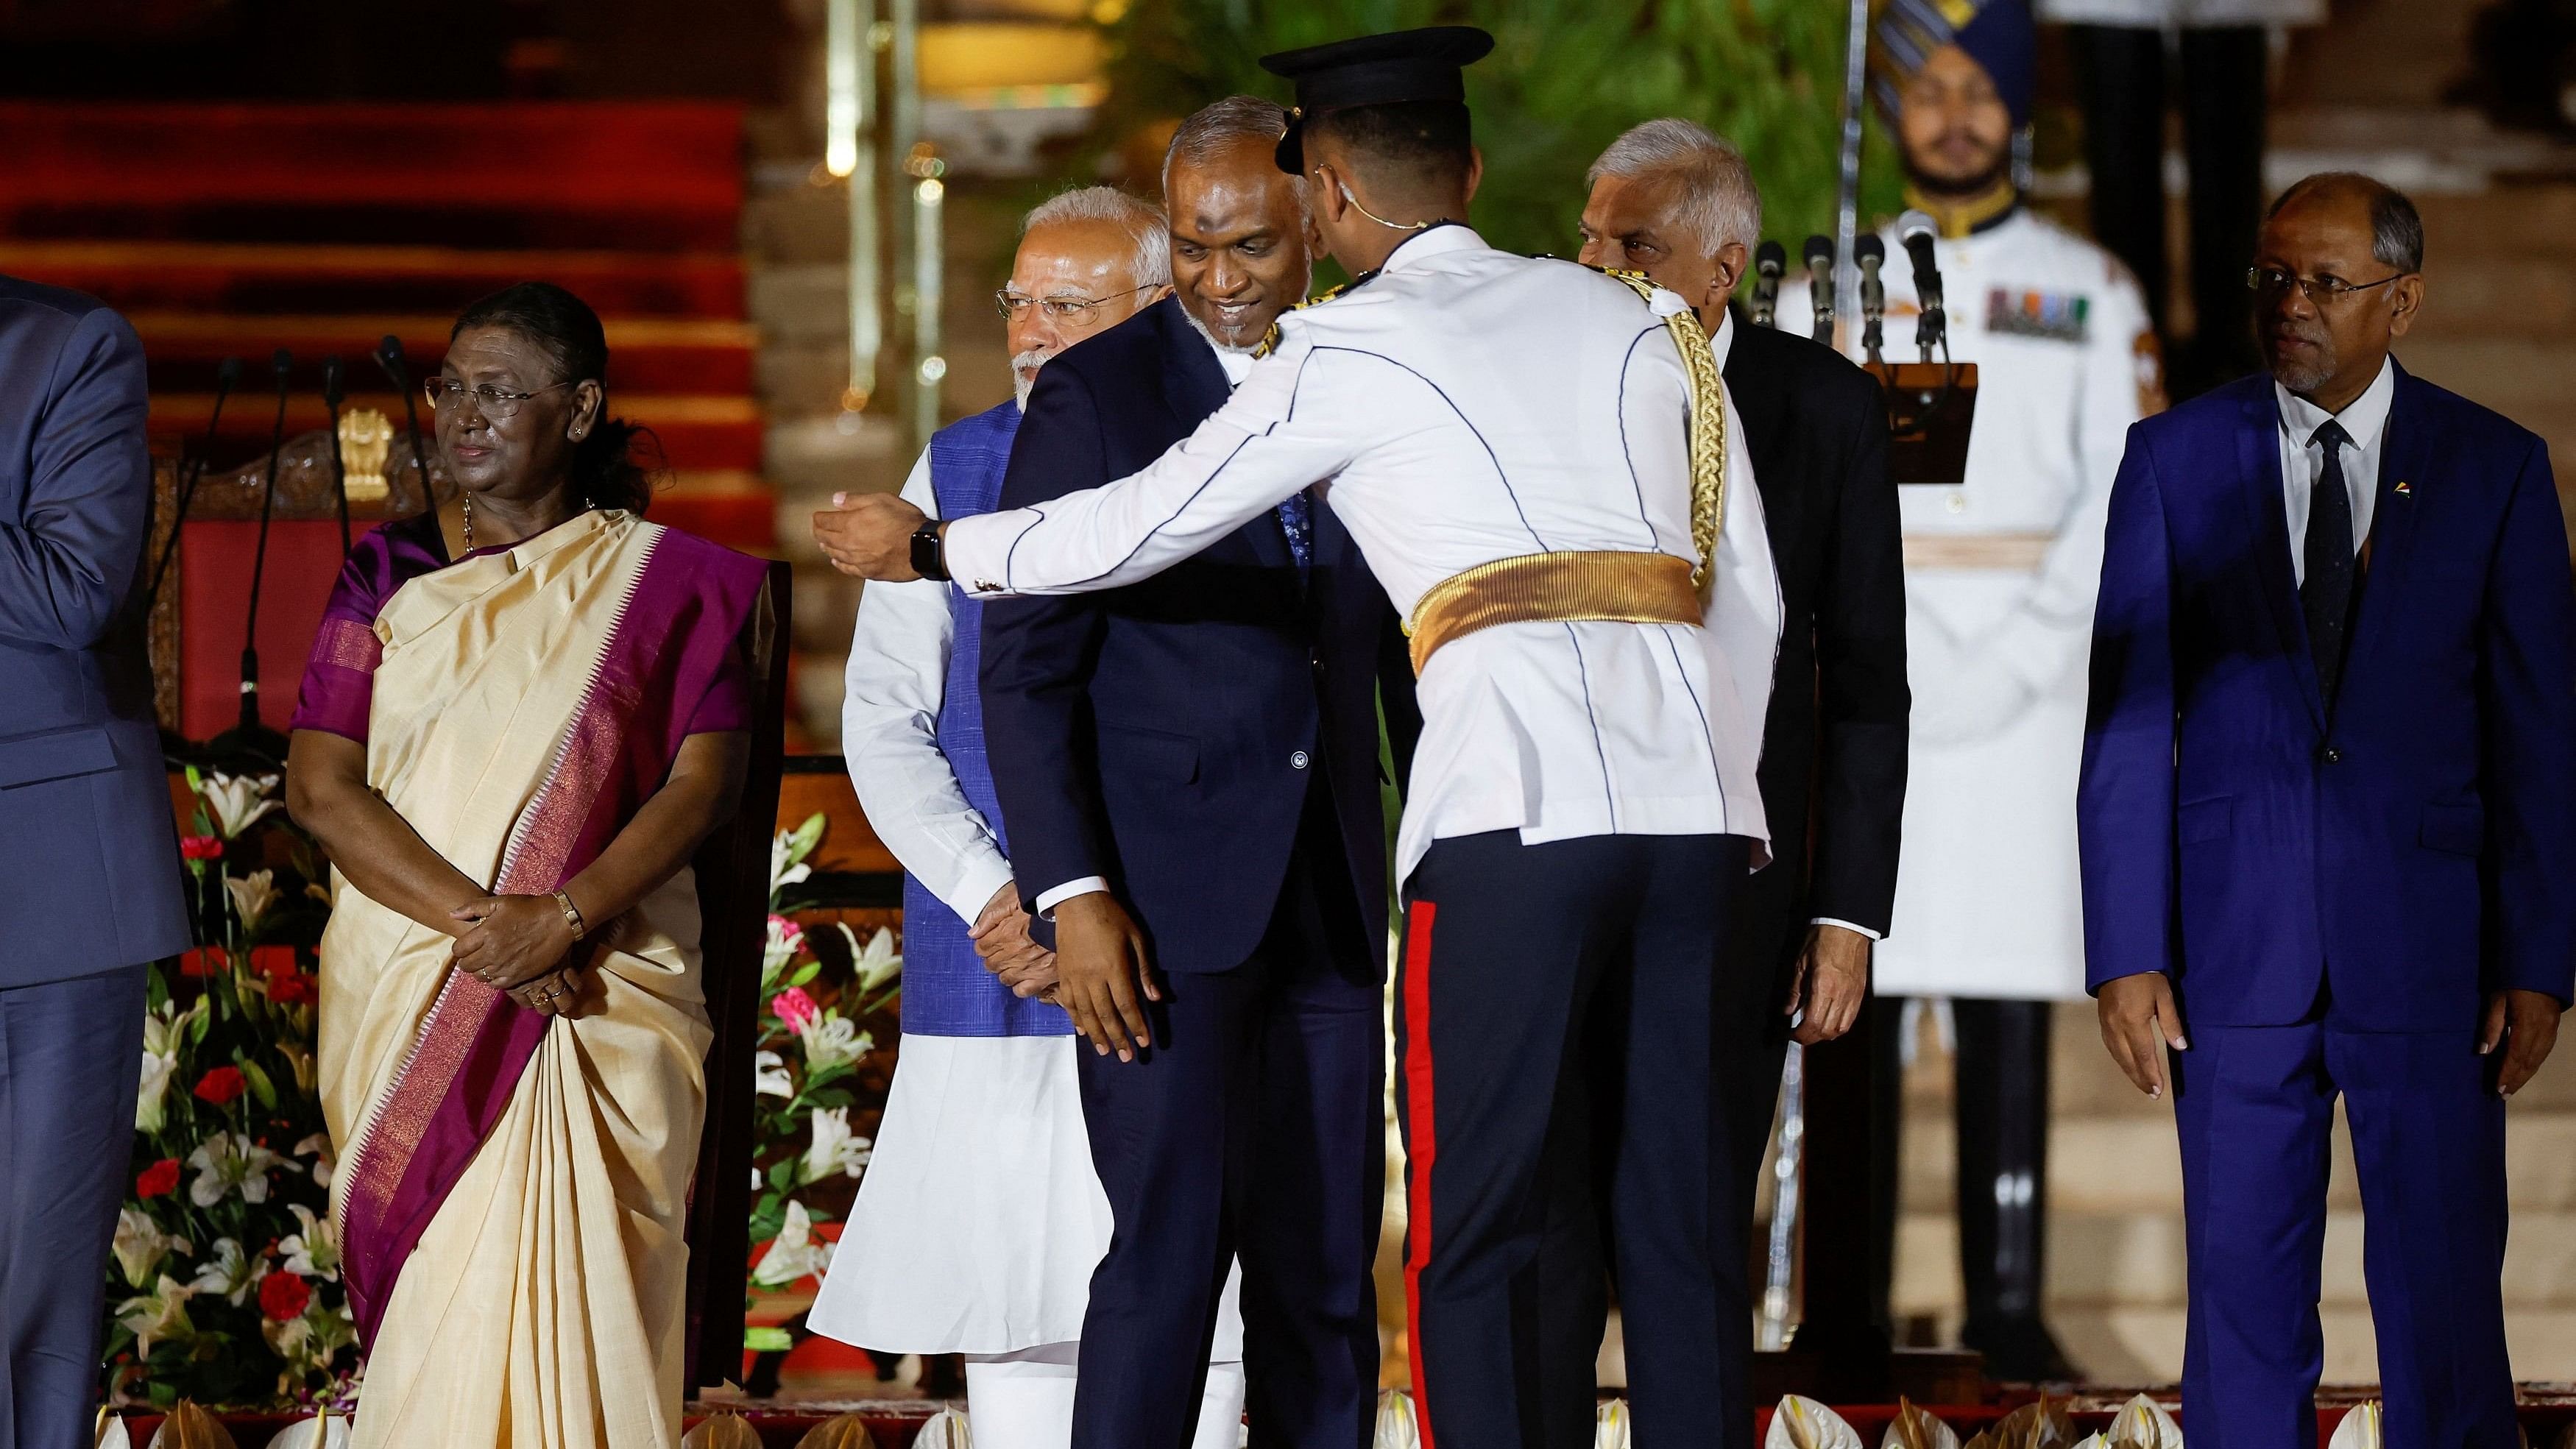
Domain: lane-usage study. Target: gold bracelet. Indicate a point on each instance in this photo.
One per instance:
(572, 917)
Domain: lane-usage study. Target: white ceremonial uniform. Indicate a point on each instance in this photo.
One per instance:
(1441, 446)
(980, 1219)
(2000, 578)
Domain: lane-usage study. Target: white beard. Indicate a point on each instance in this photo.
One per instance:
(1024, 374)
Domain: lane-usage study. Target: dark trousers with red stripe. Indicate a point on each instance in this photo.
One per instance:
(1553, 1042)
(1253, 1128)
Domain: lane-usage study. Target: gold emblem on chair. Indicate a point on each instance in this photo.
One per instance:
(366, 443)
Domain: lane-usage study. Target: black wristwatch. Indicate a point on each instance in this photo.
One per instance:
(929, 556)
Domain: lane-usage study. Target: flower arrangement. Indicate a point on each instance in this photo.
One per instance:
(224, 1286)
(814, 1046)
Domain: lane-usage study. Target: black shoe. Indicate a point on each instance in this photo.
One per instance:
(2019, 1350)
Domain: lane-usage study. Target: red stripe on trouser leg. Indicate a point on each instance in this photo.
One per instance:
(1423, 1147)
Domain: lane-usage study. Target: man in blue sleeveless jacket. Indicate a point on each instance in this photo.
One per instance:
(980, 1219)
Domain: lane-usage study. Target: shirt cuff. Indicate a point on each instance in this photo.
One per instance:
(1848, 926)
(1048, 900)
(977, 548)
(976, 889)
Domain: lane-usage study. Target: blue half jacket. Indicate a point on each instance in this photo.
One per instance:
(946, 990)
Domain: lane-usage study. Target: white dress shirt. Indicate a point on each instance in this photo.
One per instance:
(2303, 461)
(1469, 405)
(897, 678)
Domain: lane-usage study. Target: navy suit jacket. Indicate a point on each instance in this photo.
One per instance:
(1164, 735)
(2408, 849)
(89, 862)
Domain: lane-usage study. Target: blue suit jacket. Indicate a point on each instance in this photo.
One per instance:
(1163, 735)
(89, 863)
(2409, 849)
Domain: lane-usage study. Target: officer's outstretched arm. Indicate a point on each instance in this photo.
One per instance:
(1279, 433)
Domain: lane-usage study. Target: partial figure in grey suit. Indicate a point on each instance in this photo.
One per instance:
(89, 861)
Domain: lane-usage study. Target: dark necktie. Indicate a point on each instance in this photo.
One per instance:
(2326, 592)
(1297, 520)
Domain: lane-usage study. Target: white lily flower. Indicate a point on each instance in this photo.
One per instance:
(773, 1080)
(164, 1033)
(795, 1253)
(157, 1315)
(314, 1248)
(786, 939)
(253, 895)
(228, 1162)
(230, 1272)
(308, 1341)
(141, 1245)
(318, 1147)
(787, 865)
(831, 1040)
(238, 801)
(878, 962)
(834, 1148)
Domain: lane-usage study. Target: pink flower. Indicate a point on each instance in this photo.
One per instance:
(795, 1008)
(787, 933)
(201, 847)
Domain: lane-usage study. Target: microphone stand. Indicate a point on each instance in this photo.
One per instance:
(251, 737)
(227, 377)
(389, 356)
(1871, 253)
(332, 397)
(1769, 261)
(1819, 253)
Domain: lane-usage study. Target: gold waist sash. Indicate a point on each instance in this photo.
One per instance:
(2024, 552)
(1633, 588)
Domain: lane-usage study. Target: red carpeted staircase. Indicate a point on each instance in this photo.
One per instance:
(232, 230)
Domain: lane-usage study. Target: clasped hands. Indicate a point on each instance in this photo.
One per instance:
(1001, 936)
(519, 946)
(869, 535)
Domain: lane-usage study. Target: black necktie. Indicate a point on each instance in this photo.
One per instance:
(2326, 592)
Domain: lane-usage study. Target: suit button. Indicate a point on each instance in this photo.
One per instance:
(1298, 761)
(2333, 755)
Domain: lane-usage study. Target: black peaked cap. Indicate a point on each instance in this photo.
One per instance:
(1374, 70)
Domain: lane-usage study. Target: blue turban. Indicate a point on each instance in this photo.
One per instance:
(1997, 34)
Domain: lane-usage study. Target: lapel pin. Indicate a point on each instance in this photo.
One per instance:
(2405, 488)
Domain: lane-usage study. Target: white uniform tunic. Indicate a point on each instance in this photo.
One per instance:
(1469, 405)
(2000, 579)
(981, 1218)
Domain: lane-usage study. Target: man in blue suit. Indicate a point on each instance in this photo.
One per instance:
(89, 860)
(1190, 769)
(2328, 819)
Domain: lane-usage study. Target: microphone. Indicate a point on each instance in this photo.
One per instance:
(1871, 253)
(332, 396)
(250, 736)
(1820, 286)
(1769, 260)
(228, 375)
(389, 356)
(1916, 232)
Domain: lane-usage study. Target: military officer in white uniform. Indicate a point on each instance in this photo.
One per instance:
(2000, 577)
(1531, 456)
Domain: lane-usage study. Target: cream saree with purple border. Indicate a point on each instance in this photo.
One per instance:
(512, 1185)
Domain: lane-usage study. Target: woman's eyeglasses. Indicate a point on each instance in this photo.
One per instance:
(1071, 311)
(2320, 291)
(491, 400)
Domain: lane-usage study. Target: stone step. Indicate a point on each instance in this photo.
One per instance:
(2144, 1345)
(2127, 1165)
(2130, 1259)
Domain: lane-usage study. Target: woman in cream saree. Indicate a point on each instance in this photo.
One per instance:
(511, 758)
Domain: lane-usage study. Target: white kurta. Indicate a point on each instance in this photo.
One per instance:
(980, 1219)
(2000, 579)
(1469, 405)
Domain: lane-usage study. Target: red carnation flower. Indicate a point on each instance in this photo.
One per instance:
(220, 1085)
(273, 961)
(201, 847)
(292, 990)
(204, 961)
(283, 1296)
(158, 1180)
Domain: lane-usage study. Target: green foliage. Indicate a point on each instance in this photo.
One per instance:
(1566, 77)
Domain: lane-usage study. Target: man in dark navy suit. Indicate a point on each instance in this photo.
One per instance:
(2328, 815)
(1190, 768)
(89, 861)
